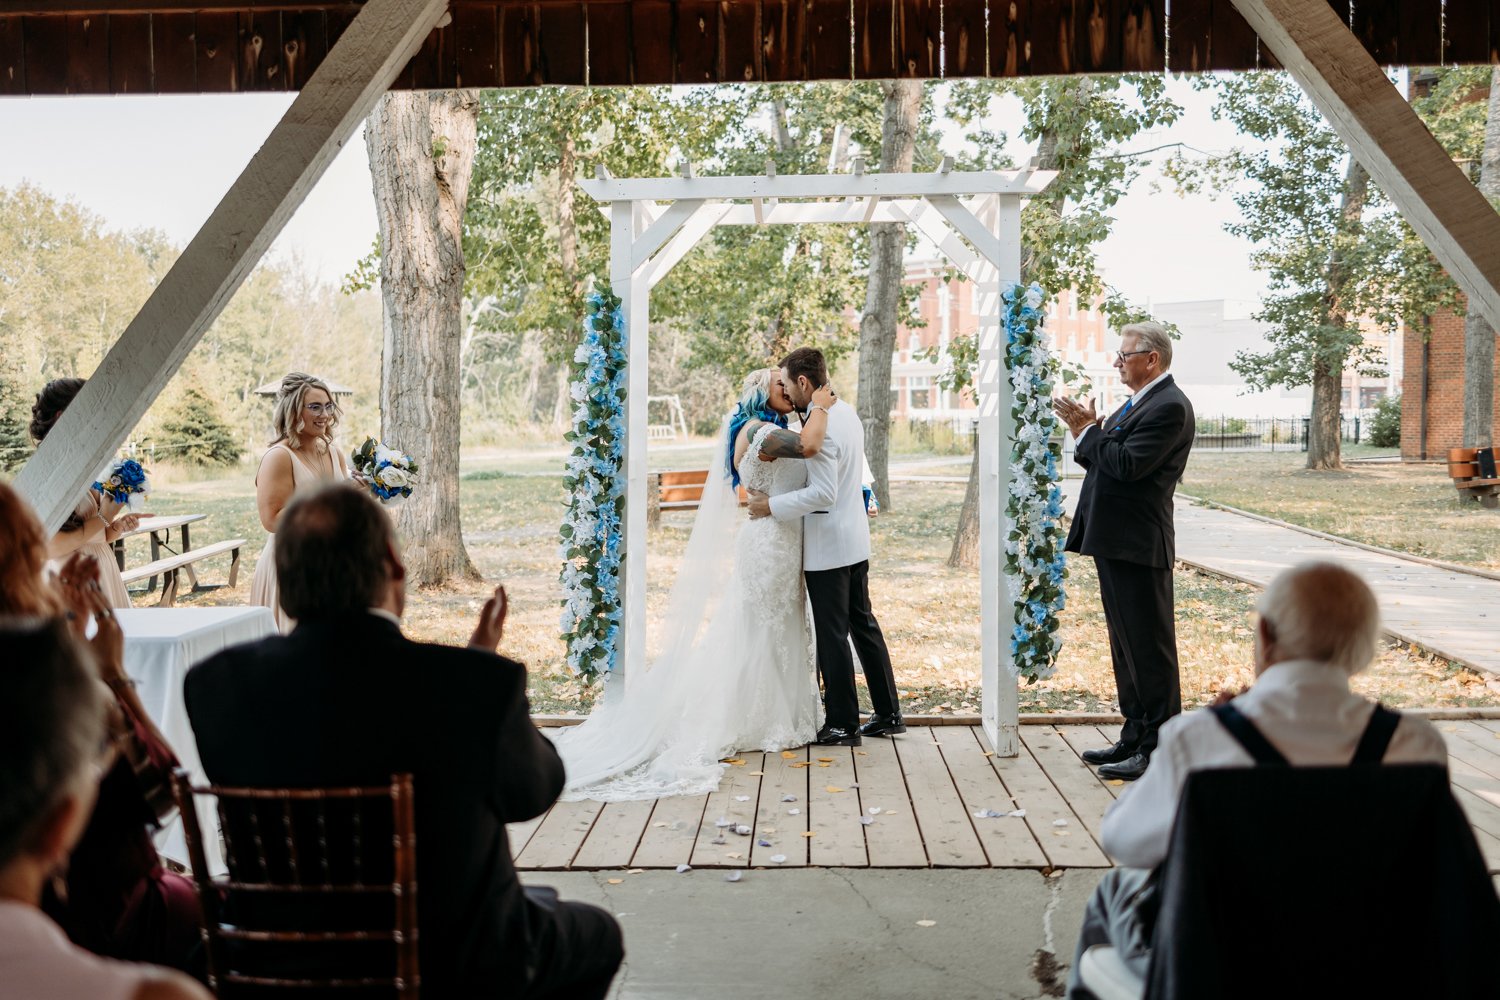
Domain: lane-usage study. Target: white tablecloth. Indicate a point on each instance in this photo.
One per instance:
(161, 644)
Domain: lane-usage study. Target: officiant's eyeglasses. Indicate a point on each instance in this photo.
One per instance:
(1122, 355)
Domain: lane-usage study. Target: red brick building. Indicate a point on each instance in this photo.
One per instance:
(1432, 390)
(946, 307)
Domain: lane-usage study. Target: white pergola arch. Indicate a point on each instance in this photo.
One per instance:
(974, 218)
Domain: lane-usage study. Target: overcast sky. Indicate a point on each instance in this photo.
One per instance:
(164, 162)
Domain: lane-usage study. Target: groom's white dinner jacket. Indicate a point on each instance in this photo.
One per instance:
(835, 529)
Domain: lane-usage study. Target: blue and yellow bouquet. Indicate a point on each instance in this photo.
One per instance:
(388, 473)
(124, 481)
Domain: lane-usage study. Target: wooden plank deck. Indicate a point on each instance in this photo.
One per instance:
(934, 798)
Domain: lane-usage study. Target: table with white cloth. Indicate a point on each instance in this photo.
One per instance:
(161, 645)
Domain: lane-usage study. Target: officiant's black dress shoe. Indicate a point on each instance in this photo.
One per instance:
(1109, 755)
(837, 736)
(883, 725)
(1126, 770)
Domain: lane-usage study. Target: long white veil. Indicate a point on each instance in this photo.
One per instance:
(615, 753)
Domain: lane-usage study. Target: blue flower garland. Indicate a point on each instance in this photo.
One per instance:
(593, 525)
(1034, 562)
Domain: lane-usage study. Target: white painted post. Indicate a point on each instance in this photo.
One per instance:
(340, 94)
(628, 222)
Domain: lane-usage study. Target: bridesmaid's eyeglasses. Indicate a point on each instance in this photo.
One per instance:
(318, 409)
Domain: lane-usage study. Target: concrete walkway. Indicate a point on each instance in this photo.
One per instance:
(1450, 612)
(838, 932)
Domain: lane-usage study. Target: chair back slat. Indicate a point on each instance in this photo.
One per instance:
(302, 906)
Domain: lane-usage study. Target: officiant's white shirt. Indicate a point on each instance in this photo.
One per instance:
(835, 527)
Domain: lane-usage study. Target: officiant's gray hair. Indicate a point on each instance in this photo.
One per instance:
(1150, 336)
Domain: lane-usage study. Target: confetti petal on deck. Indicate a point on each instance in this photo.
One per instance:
(737, 762)
(1059, 822)
(794, 812)
(874, 810)
(809, 833)
(756, 774)
(1017, 813)
(634, 871)
(862, 753)
(734, 876)
(684, 868)
(799, 764)
(763, 843)
(825, 765)
(789, 798)
(826, 760)
(722, 822)
(658, 826)
(719, 840)
(789, 755)
(853, 784)
(988, 814)
(926, 923)
(833, 788)
(778, 859)
(735, 855)
(768, 829)
(742, 830)
(1121, 781)
(742, 798)
(989, 753)
(615, 881)
(867, 820)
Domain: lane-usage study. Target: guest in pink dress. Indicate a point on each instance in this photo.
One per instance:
(301, 455)
(97, 521)
(52, 712)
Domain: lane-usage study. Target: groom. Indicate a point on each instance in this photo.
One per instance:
(835, 560)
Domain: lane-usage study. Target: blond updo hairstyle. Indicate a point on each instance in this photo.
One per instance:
(287, 420)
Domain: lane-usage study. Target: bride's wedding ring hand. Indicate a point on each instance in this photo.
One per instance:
(491, 627)
(824, 395)
(760, 504)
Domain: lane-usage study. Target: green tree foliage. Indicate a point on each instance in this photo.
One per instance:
(193, 432)
(1385, 425)
(69, 286)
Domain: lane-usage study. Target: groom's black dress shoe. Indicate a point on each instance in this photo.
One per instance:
(1109, 755)
(1127, 770)
(883, 725)
(837, 736)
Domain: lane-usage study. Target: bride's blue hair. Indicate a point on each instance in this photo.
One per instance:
(754, 404)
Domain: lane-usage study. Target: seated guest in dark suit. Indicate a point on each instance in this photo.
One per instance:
(346, 699)
(1319, 625)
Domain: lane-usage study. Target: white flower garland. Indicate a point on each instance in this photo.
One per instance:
(1034, 561)
(592, 527)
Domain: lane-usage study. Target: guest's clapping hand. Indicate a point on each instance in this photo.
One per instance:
(760, 504)
(1073, 413)
(491, 625)
(83, 599)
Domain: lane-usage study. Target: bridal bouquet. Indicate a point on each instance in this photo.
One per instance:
(388, 473)
(124, 482)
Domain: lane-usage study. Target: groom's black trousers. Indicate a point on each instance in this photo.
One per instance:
(841, 611)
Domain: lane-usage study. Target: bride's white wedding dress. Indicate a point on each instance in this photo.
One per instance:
(735, 670)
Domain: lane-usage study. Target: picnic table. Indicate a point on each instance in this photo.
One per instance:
(160, 530)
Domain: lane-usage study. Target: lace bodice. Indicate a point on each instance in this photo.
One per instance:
(770, 478)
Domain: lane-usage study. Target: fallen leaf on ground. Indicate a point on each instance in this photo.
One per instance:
(862, 753)
(615, 881)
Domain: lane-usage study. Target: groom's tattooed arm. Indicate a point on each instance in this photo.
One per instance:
(780, 443)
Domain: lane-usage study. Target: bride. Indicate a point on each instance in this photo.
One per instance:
(734, 669)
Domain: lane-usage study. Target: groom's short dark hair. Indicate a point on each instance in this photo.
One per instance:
(806, 361)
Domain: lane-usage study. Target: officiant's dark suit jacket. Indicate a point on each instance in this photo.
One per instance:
(1124, 520)
(1125, 506)
(351, 702)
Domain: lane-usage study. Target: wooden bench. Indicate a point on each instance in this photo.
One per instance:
(1473, 473)
(169, 567)
(678, 489)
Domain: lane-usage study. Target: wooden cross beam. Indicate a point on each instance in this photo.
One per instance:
(340, 95)
(1445, 208)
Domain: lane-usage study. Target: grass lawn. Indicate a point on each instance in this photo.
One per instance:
(1411, 508)
(930, 613)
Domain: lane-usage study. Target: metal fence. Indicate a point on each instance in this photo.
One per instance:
(1268, 433)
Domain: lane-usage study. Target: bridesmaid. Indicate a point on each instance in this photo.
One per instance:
(301, 455)
(97, 521)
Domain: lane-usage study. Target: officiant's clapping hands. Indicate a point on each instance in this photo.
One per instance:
(1073, 413)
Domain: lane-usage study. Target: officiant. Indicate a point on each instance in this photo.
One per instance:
(1134, 459)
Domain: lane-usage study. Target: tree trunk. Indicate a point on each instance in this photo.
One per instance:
(567, 219)
(1479, 331)
(1323, 438)
(877, 327)
(421, 148)
(965, 552)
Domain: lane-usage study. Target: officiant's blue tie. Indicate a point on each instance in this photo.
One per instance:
(1124, 410)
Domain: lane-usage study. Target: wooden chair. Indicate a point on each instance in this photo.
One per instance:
(1473, 474)
(307, 868)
